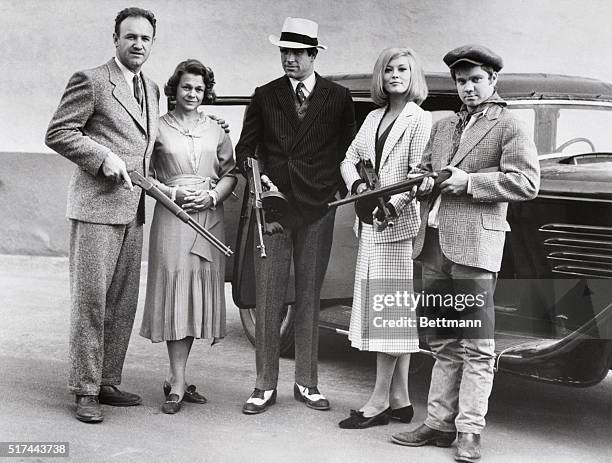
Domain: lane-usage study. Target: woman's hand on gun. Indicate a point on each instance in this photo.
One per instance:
(198, 201)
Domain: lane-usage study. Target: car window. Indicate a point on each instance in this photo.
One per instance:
(584, 130)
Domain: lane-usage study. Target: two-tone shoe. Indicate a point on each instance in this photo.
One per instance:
(311, 397)
(259, 401)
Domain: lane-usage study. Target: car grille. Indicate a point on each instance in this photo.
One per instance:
(579, 250)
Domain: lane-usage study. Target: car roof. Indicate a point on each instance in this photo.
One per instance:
(510, 86)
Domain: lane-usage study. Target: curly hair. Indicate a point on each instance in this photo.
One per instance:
(192, 66)
(134, 12)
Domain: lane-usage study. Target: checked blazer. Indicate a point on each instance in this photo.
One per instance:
(401, 153)
(300, 157)
(98, 114)
(502, 162)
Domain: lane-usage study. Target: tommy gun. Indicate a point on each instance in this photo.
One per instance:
(366, 202)
(156, 193)
(266, 204)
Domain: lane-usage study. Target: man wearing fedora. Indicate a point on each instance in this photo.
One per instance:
(299, 127)
(492, 161)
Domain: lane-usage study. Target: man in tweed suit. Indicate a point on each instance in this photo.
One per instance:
(299, 126)
(460, 243)
(106, 124)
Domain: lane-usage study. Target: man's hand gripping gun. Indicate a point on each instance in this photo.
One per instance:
(266, 204)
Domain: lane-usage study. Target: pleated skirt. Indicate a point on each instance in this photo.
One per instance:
(185, 292)
(381, 265)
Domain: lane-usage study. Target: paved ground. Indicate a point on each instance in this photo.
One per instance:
(528, 422)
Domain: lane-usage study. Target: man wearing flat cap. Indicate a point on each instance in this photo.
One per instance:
(299, 127)
(492, 161)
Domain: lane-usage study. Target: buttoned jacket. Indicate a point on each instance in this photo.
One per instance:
(301, 157)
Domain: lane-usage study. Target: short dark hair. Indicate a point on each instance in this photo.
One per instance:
(312, 51)
(134, 12)
(462, 65)
(192, 66)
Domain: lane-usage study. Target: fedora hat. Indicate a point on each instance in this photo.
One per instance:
(298, 33)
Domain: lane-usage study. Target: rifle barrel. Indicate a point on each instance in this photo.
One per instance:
(156, 193)
(396, 188)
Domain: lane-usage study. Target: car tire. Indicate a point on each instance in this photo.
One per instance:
(247, 318)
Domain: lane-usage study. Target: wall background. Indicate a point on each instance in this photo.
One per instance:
(44, 41)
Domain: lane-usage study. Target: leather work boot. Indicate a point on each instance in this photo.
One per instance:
(468, 447)
(424, 435)
(88, 409)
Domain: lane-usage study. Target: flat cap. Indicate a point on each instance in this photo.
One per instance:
(475, 54)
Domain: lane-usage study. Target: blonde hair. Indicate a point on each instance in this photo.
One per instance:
(417, 89)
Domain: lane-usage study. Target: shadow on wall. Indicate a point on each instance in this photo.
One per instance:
(33, 188)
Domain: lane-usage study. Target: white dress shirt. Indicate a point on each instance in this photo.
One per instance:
(309, 83)
(129, 76)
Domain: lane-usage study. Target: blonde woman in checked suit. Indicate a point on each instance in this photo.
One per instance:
(392, 138)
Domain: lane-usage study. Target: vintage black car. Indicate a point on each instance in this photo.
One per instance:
(554, 295)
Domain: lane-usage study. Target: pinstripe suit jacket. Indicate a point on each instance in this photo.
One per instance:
(301, 157)
(401, 153)
(96, 115)
(503, 165)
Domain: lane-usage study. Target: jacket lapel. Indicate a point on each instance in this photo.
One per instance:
(152, 111)
(317, 99)
(284, 93)
(445, 157)
(476, 133)
(399, 127)
(122, 94)
(373, 122)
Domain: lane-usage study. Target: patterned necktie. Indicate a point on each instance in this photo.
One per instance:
(299, 91)
(137, 91)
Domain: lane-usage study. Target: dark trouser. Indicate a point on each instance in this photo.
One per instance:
(311, 247)
(462, 376)
(104, 283)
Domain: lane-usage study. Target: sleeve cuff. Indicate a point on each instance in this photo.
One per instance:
(469, 185)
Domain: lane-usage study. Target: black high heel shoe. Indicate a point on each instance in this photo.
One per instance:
(403, 414)
(357, 421)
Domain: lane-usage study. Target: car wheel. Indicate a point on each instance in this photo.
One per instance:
(247, 317)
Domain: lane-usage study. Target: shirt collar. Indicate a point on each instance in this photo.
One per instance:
(309, 83)
(129, 75)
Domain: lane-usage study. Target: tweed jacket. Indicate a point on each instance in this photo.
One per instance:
(96, 115)
(503, 165)
(401, 153)
(302, 158)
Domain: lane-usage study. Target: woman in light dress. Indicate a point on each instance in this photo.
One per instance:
(193, 163)
(392, 138)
